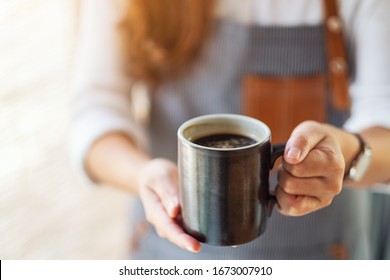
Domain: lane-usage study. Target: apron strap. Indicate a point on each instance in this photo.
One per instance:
(337, 62)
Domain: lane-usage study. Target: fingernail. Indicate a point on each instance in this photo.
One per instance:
(191, 249)
(172, 209)
(294, 153)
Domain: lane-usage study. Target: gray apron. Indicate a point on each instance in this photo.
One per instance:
(380, 226)
(213, 86)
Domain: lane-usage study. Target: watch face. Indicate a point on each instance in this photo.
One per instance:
(360, 166)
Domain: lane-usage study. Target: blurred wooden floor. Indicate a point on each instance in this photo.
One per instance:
(46, 212)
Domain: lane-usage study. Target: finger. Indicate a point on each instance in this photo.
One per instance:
(175, 234)
(162, 177)
(296, 205)
(303, 139)
(165, 226)
(312, 186)
(167, 190)
(319, 162)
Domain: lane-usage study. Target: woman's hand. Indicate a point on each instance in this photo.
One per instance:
(312, 171)
(158, 189)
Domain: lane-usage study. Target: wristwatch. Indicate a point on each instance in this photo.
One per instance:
(360, 163)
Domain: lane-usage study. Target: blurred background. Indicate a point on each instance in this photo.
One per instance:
(46, 210)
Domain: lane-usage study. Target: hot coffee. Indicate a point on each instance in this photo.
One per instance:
(224, 141)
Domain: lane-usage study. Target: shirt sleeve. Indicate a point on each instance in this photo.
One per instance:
(370, 89)
(101, 90)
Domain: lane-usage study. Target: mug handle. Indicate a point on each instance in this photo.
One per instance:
(276, 152)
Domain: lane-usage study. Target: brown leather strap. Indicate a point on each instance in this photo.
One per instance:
(337, 60)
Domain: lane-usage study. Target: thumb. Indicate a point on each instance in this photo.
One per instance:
(302, 140)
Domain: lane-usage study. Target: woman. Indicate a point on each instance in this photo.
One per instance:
(193, 56)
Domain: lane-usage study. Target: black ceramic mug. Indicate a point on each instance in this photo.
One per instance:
(224, 167)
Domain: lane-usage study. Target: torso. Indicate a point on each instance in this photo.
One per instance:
(213, 86)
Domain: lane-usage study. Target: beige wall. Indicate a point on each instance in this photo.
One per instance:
(46, 212)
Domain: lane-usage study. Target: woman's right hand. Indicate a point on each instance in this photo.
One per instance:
(158, 188)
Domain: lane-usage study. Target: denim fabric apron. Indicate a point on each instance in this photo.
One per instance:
(213, 86)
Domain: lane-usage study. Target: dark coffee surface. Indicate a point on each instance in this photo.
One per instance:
(224, 141)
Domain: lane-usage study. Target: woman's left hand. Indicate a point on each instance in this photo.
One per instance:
(312, 171)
